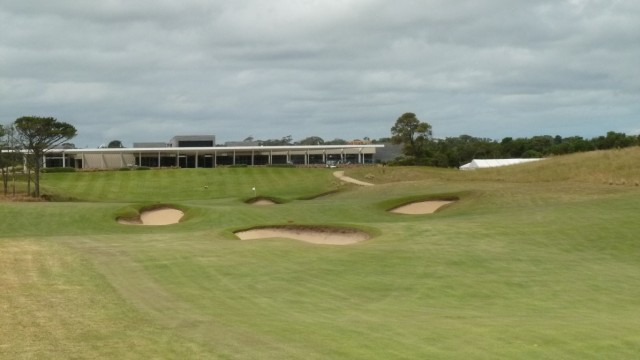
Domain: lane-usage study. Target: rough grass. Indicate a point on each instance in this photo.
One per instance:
(522, 266)
(612, 167)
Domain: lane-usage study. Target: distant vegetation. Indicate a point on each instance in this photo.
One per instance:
(420, 148)
(457, 151)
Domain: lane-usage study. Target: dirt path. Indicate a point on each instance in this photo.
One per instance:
(340, 175)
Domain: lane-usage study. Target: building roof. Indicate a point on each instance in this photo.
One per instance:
(218, 149)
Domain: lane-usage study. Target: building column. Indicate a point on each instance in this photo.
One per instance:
(159, 158)
(64, 161)
(196, 159)
(234, 157)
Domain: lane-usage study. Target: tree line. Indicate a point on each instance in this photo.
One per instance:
(288, 141)
(420, 148)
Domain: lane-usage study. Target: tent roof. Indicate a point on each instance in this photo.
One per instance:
(489, 163)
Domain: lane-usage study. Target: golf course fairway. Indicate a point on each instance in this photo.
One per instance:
(534, 261)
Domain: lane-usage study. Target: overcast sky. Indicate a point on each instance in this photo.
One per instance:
(146, 70)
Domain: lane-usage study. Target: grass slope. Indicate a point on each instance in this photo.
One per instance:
(523, 266)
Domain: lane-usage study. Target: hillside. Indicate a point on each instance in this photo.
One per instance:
(614, 167)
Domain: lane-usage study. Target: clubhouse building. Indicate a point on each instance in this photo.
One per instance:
(200, 151)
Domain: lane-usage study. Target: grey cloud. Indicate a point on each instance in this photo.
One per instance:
(148, 70)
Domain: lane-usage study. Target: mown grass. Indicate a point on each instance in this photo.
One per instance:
(522, 266)
(191, 184)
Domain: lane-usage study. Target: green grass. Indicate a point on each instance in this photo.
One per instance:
(539, 261)
(192, 184)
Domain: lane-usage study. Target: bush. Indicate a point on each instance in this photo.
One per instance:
(50, 170)
(134, 168)
(282, 165)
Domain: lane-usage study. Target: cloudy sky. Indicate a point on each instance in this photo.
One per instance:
(145, 70)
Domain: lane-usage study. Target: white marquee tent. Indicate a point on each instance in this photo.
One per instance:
(489, 163)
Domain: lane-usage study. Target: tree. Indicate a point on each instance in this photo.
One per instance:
(312, 140)
(336, 141)
(115, 144)
(413, 134)
(4, 163)
(382, 140)
(37, 135)
(10, 158)
(462, 149)
(614, 140)
(286, 140)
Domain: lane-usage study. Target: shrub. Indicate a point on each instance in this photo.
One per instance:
(282, 165)
(134, 167)
(50, 170)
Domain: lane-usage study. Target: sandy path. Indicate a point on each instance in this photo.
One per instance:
(157, 217)
(422, 207)
(340, 175)
(310, 236)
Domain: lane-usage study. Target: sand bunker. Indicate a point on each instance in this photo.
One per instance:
(163, 216)
(263, 202)
(421, 207)
(328, 236)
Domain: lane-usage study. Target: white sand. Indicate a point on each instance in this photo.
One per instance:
(164, 216)
(340, 175)
(311, 236)
(263, 202)
(422, 207)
